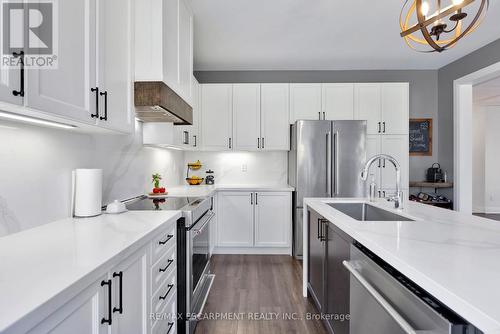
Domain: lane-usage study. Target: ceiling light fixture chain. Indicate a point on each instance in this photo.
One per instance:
(416, 17)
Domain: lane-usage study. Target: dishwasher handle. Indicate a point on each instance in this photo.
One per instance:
(405, 326)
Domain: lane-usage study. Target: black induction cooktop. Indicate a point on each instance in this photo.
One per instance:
(159, 204)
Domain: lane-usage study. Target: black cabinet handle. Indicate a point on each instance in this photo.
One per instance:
(318, 230)
(96, 91)
(170, 286)
(379, 130)
(170, 236)
(383, 127)
(20, 92)
(384, 164)
(168, 265)
(170, 326)
(256, 201)
(105, 94)
(251, 198)
(258, 142)
(110, 312)
(324, 115)
(263, 145)
(195, 141)
(230, 143)
(120, 276)
(379, 163)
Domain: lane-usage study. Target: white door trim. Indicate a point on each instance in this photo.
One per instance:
(462, 134)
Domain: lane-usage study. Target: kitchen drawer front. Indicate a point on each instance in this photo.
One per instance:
(163, 242)
(167, 322)
(163, 268)
(164, 294)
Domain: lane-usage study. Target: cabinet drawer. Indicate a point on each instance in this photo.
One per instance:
(163, 268)
(163, 242)
(167, 322)
(164, 294)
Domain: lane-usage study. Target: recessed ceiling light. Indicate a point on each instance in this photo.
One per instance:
(35, 120)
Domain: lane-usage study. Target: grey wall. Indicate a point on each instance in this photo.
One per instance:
(423, 93)
(486, 56)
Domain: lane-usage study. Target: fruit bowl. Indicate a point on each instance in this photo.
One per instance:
(194, 181)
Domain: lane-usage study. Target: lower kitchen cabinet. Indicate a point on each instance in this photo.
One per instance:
(82, 314)
(328, 280)
(253, 220)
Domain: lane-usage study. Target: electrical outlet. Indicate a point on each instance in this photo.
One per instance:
(244, 168)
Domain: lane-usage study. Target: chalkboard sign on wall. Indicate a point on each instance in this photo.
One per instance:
(421, 136)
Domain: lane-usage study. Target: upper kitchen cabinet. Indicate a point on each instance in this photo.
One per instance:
(385, 106)
(338, 101)
(367, 106)
(395, 108)
(274, 117)
(216, 117)
(66, 90)
(115, 65)
(305, 102)
(164, 44)
(246, 116)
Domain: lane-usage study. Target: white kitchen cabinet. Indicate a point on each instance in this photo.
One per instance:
(185, 64)
(305, 102)
(66, 91)
(83, 313)
(130, 295)
(395, 108)
(235, 219)
(9, 81)
(216, 117)
(397, 147)
(274, 117)
(374, 147)
(186, 136)
(246, 117)
(272, 219)
(115, 65)
(367, 106)
(338, 101)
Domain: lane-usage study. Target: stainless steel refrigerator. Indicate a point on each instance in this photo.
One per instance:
(325, 160)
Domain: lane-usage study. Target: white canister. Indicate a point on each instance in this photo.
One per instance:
(87, 192)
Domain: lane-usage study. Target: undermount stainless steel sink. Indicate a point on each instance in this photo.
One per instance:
(365, 212)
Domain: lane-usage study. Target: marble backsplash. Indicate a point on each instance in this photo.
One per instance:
(36, 165)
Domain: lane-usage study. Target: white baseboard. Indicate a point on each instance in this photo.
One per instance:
(253, 250)
(492, 209)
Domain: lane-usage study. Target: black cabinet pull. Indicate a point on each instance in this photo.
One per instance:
(324, 115)
(170, 236)
(256, 201)
(168, 265)
(379, 130)
(20, 92)
(105, 94)
(251, 198)
(317, 233)
(110, 312)
(258, 142)
(263, 145)
(379, 163)
(120, 276)
(383, 127)
(170, 326)
(384, 164)
(230, 143)
(195, 141)
(170, 286)
(96, 91)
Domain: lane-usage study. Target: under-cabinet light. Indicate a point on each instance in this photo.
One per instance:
(35, 120)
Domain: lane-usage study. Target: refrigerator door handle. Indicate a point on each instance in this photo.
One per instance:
(329, 164)
(336, 178)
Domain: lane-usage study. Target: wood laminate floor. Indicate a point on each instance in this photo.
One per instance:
(268, 285)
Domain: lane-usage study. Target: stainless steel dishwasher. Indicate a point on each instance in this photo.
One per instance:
(383, 301)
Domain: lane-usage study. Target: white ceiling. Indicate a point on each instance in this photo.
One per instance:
(487, 93)
(315, 35)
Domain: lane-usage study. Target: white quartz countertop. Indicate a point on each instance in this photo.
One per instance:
(203, 190)
(39, 264)
(453, 256)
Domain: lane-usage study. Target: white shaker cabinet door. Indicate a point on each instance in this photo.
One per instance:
(395, 108)
(246, 117)
(130, 295)
(82, 314)
(115, 65)
(338, 101)
(367, 106)
(235, 219)
(273, 219)
(216, 116)
(397, 147)
(305, 102)
(275, 126)
(66, 91)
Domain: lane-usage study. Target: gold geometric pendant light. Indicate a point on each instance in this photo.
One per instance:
(436, 25)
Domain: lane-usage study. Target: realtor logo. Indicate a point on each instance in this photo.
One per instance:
(29, 27)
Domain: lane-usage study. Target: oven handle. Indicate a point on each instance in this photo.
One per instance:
(198, 231)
